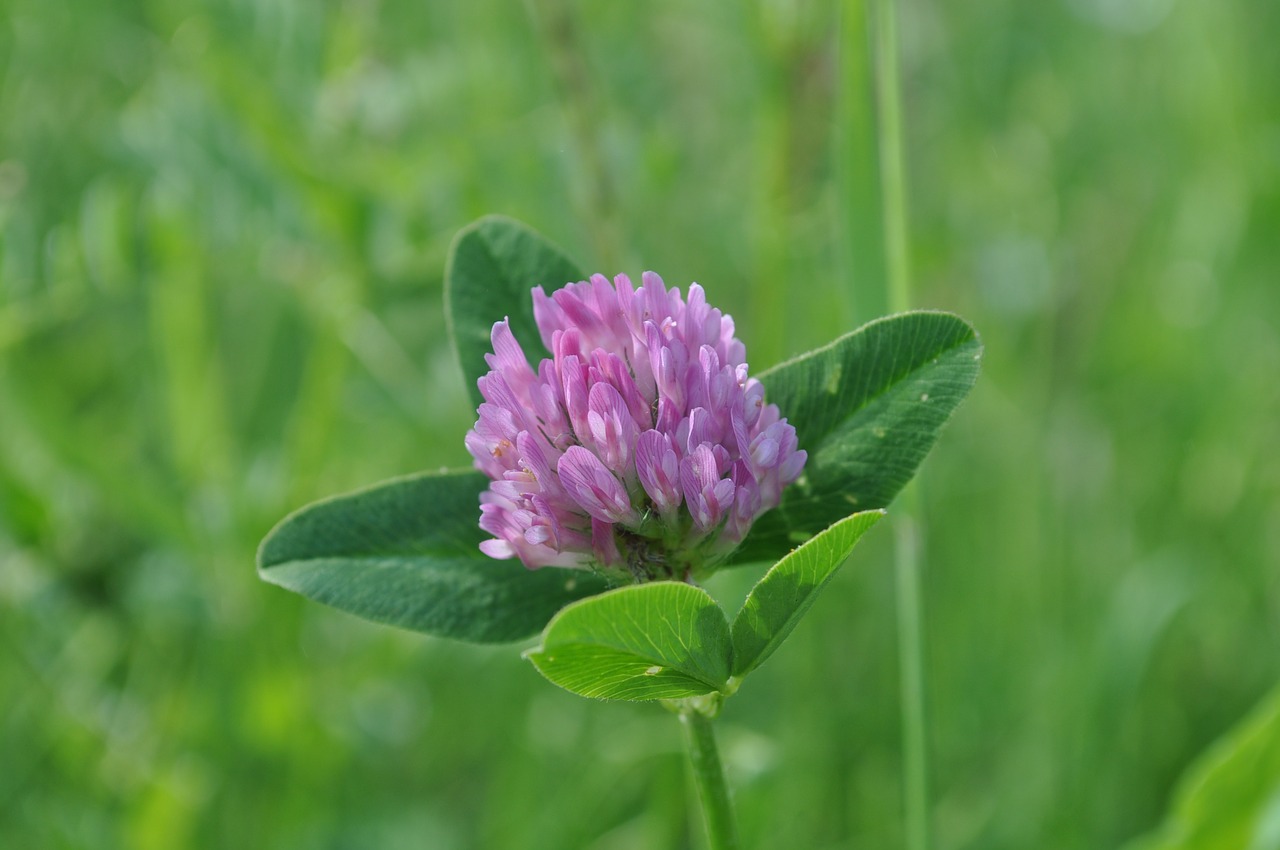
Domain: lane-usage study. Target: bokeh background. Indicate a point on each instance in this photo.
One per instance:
(222, 232)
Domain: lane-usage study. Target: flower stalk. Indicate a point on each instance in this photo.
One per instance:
(708, 775)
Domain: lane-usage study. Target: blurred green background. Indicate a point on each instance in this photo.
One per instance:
(222, 233)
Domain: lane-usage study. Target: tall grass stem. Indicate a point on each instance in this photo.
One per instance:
(907, 561)
(893, 176)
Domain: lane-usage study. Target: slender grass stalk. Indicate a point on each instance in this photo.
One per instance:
(907, 560)
(708, 773)
(856, 237)
(893, 176)
(915, 756)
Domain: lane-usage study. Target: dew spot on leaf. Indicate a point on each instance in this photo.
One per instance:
(833, 379)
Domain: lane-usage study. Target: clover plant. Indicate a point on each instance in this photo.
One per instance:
(623, 453)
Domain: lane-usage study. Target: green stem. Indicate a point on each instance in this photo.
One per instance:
(893, 177)
(717, 813)
(907, 560)
(915, 754)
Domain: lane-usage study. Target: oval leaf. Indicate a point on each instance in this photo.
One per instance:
(405, 553)
(493, 266)
(785, 594)
(867, 408)
(664, 640)
(1231, 797)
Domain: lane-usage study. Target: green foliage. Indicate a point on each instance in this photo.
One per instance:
(867, 408)
(785, 594)
(222, 232)
(668, 640)
(1230, 798)
(405, 553)
(493, 265)
(664, 640)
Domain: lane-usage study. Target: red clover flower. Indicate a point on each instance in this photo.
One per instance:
(641, 448)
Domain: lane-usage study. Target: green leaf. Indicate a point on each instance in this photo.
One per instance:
(664, 640)
(867, 408)
(494, 264)
(785, 594)
(405, 552)
(1230, 798)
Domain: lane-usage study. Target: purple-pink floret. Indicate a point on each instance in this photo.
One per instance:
(641, 446)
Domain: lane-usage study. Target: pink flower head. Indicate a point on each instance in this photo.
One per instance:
(641, 447)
